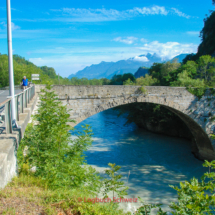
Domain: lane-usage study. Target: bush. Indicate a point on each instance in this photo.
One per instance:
(48, 150)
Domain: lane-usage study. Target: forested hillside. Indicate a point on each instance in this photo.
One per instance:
(22, 68)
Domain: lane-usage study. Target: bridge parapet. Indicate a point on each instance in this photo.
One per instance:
(117, 90)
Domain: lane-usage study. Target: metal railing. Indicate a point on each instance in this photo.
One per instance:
(21, 101)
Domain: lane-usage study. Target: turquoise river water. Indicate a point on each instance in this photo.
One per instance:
(149, 162)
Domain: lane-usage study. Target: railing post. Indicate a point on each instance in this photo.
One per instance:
(30, 93)
(21, 103)
(17, 108)
(25, 99)
(8, 119)
(28, 96)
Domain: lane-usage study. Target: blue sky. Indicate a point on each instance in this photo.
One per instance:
(70, 35)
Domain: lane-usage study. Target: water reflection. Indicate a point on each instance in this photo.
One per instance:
(154, 161)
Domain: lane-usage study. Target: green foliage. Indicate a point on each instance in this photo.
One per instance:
(146, 81)
(198, 91)
(142, 90)
(164, 72)
(48, 148)
(142, 81)
(120, 79)
(184, 80)
(206, 69)
(113, 184)
(196, 197)
(194, 86)
(145, 209)
(128, 82)
(49, 71)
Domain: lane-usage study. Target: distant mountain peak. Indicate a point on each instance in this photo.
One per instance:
(142, 58)
(109, 69)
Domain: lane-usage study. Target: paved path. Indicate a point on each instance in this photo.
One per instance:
(5, 93)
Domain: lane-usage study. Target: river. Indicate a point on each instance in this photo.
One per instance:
(154, 161)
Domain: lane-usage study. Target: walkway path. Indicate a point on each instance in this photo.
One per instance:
(5, 93)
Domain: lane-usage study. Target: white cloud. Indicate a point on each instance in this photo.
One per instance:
(126, 40)
(141, 58)
(179, 13)
(13, 26)
(143, 40)
(101, 15)
(155, 10)
(193, 33)
(168, 50)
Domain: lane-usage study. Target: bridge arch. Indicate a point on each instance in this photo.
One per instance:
(86, 101)
(201, 147)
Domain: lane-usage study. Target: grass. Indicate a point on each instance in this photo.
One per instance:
(28, 195)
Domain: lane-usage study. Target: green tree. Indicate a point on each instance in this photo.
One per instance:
(185, 81)
(105, 81)
(155, 71)
(58, 159)
(113, 184)
(191, 68)
(196, 197)
(148, 80)
(119, 79)
(145, 209)
(206, 69)
(128, 82)
(166, 70)
(49, 71)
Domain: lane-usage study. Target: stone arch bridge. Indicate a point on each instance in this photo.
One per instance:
(198, 115)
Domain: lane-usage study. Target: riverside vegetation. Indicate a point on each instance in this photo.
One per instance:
(54, 173)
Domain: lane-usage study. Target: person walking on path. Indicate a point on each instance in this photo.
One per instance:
(24, 83)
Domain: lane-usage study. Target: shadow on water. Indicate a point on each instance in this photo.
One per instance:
(154, 161)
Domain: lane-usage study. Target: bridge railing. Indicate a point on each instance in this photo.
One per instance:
(21, 101)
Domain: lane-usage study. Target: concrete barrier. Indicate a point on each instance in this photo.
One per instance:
(9, 144)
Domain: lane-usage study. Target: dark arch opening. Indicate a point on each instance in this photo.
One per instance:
(201, 143)
(184, 126)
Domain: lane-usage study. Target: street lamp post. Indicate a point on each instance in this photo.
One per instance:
(10, 63)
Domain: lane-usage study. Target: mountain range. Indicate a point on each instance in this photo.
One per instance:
(109, 69)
